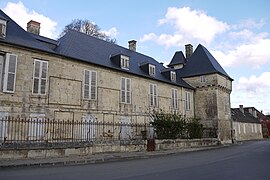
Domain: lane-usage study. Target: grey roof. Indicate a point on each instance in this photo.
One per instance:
(200, 63)
(18, 36)
(245, 117)
(178, 58)
(86, 48)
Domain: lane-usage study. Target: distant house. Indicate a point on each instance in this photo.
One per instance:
(246, 123)
(80, 77)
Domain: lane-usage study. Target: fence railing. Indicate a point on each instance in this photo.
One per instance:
(50, 130)
(30, 130)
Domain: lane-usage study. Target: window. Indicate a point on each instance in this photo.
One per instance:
(153, 95)
(152, 70)
(90, 85)
(40, 77)
(8, 68)
(187, 100)
(203, 80)
(226, 105)
(174, 99)
(3, 25)
(124, 62)
(173, 76)
(125, 91)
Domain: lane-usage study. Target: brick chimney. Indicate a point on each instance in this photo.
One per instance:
(33, 27)
(132, 45)
(241, 108)
(189, 50)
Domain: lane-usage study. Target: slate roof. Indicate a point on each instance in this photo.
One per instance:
(18, 36)
(178, 58)
(245, 117)
(200, 63)
(86, 48)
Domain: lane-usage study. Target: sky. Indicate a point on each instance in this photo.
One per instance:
(236, 32)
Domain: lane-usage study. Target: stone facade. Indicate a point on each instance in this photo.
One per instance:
(247, 131)
(63, 98)
(212, 105)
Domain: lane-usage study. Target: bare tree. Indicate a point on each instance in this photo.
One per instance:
(89, 28)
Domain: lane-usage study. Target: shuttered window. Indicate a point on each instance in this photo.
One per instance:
(90, 85)
(8, 70)
(153, 95)
(125, 90)
(40, 77)
(187, 100)
(174, 99)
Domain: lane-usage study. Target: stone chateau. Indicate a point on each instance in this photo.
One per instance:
(79, 77)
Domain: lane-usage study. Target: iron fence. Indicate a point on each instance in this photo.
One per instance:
(50, 130)
(32, 130)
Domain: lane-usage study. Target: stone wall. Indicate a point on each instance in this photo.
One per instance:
(83, 149)
(212, 103)
(247, 131)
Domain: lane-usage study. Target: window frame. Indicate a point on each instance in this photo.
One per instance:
(92, 85)
(153, 95)
(187, 100)
(7, 73)
(40, 78)
(3, 27)
(152, 70)
(174, 98)
(202, 79)
(125, 90)
(173, 76)
(124, 62)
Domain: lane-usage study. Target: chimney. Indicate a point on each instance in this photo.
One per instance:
(189, 50)
(33, 27)
(132, 45)
(241, 108)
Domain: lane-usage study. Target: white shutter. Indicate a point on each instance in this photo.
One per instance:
(10, 73)
(93, 85)
(128, 94)
(123, 87)
(86, 84)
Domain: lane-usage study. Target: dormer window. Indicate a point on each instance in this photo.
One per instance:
(124, 62)
(173, 76)
(152, 70)
(3, 25)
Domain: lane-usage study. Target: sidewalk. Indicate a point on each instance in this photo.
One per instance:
(94, 158)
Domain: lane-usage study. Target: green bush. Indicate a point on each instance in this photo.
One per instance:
(174, 125)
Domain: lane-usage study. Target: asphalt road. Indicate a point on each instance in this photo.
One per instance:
(250, 160)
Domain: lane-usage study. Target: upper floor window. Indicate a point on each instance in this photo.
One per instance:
(90, 85)
(125, 90)
(3, 25)
(187, 100)
(152, 70)
(124, 62)
(153, 95)
(174, 99)
(40, 77)
(173, 76)
(8, 68)
(203, 80)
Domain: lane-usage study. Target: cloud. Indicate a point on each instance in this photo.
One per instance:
(254, 54)
(112, 32)
(189, 25)
(255, 84)
(21, 15)
(252, 91)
